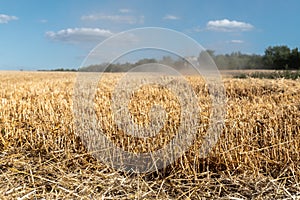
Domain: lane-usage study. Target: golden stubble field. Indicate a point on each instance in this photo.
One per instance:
(42, 157)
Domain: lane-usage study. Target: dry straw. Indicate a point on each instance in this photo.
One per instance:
(41, 157)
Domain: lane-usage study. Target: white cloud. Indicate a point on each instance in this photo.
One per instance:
(4, 19)
(124, 10)
(226, 25)
(171, 17)
(43, 21)
(128, 19)
(78, 35)
(236, 41)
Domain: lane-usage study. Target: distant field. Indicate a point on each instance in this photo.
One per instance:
(232, 73)
(267, 74)
(257, 156)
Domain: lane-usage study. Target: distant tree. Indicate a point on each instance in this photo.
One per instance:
(277, 57)
(255, 62)
(145, 61)
(211, 53)
(238, 60)
(294, 59)
(221, 61)
(167, 60)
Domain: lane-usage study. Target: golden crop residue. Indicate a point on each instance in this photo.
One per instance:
(41, 155)
(140, 105)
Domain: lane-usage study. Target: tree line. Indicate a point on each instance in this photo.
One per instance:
(275, 57)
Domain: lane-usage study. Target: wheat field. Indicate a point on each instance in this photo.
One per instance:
(42, 157)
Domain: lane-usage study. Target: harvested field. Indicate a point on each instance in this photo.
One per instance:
(42, 157)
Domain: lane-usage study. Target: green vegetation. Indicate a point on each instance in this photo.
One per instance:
(275, 57)
(286, 74)
(178, 64)
(60, 70)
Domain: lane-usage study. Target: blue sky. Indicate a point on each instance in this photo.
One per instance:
(51, 34)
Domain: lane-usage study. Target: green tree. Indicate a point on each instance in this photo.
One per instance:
(294, 60)
(145, 61)
(277, 57)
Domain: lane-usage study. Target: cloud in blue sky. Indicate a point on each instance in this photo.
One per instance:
(223, 26)
(4, 19)
(79, 35)
(236, 41)
(127, 19)
(171, 17)
(43, 21)
(226, 25)
(124, 10)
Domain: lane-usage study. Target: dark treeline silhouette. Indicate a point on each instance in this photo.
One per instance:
(275, 57)
(178, 64)
(59, 70)
(238, 60)
(282, 57)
